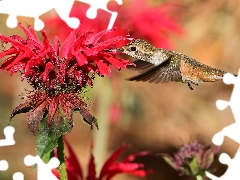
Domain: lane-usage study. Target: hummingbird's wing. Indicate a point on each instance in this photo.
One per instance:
(164, 72)
(141, 66)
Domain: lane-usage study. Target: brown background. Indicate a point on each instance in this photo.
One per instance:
(156, 117)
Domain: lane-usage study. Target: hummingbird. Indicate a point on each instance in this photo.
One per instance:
(162, 65)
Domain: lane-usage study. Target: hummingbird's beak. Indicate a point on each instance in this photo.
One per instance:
(119, 49)
(116, 50)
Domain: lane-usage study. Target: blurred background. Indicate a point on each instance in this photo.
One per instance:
(155, 117)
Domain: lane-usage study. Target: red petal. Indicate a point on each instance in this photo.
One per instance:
(81, 59)
(7, 62)
(46, 42)
(116, 62)
(36, 116)
(79, 77)
(22, 108)
(103, 68)
(140, 173)
(34, 62)
(73, 165)
(49, 67)
(86, 115)
(19, 57)
(30, 34)
(18, 67)
(95, 38)
(110, 161)
(91, 167)
(56, 45)
(16, 44)
(127, 167)
(31, 29)
(130, 168)
(89, 51)
(68, 43)
(102, 45)
(9, 51)
(90, 68)
(56, 173)
(66, 106)
(17, 38)
(47, 48)
(52, 109)
(132, 157)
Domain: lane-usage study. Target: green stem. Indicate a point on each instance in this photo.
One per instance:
(198, 177)
(60, 152)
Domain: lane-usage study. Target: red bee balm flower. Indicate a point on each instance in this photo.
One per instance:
(149, 20)
(109, 169)
(58, 76)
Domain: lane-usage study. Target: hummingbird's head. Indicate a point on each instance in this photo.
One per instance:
(138, 49)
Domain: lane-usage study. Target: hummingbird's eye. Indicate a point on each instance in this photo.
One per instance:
(133, 48)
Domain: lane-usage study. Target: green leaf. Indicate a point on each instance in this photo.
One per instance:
(48, 134)
(193, 165)
(168, 159)
(198, 177)
(95, 122)
(46, 159)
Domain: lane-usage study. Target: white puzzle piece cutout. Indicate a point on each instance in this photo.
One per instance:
(44, 171)
(36, 8)
(3, 165)
(8, 132)
(18, 176)
(8, 141)
(101, 4)
(232, 131)
(232, 172)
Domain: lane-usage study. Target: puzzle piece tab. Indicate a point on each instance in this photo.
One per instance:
(8, 132)
(44, 171)
(18, 176)
(100, 4)
(36, 8)
(234, 101)
(232, 131)
(233, 167)
(3, 165)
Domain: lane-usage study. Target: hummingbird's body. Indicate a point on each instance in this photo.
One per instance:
(161, 65)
